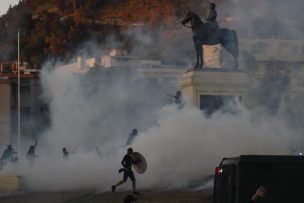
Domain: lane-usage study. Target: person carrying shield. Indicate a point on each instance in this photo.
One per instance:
(127, 163)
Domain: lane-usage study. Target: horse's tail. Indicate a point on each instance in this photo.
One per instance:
(230, 41)
(235, 43)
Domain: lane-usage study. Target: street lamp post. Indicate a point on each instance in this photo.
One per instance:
(18, 102)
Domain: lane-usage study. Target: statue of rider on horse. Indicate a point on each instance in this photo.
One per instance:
(208, 32)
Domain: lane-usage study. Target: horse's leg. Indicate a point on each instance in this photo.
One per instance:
(197, 60)
(201, 56)
(229, 42)
(236, 62)
(198, 49)
(198, 54)
(236, 48)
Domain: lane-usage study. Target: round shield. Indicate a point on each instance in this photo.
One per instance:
(139, 163)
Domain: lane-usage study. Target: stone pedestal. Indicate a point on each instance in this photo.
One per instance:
(205, 83)
(9, 183)
(215, 56)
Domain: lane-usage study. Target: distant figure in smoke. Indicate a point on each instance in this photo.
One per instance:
(8, 155)
(65, 153)
(132, 136)
(127, 172)
(178, 99)
(31, 155)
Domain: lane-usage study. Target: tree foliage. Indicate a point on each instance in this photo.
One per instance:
(49, 29)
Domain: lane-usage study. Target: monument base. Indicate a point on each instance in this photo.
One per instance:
(210, 88)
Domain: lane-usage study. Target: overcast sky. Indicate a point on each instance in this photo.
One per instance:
(4, 5)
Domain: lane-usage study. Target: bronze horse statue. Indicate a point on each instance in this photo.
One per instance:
(206, 33)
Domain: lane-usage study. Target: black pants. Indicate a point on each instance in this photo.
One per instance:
(128, 173)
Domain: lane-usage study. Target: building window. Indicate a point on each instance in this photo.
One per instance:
(122, 59)
(25, 113)
(283, 48)
(258, 48)
(25, 89)
(212, 103)
(44, 109)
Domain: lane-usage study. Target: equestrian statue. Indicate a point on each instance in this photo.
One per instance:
(208, 32)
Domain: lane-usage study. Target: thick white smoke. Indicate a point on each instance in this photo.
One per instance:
(180, 145)
(187, 146)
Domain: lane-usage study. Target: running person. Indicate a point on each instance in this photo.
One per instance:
(127, 172)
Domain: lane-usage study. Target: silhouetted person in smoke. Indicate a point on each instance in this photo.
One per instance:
(31, 155)
(178, 99)
(8, 155)
(260, 192)
(127, 172)
(65, 153)
(132, 136)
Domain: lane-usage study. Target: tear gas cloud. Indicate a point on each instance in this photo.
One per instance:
(99, 109)
(180, 145)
